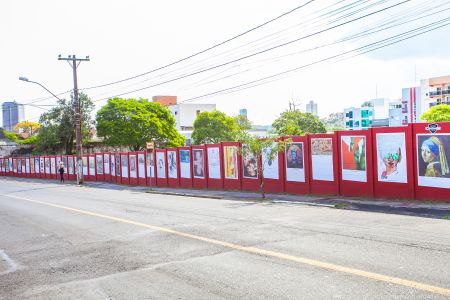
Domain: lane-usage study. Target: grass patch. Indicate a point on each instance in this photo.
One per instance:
(341, 205)
(446, 217)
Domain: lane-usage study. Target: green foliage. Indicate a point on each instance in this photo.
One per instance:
(297, 123)
(243, 122)
(132, 123)
(18, 139)
(334, 122)
(255, 146)
(438, 113)
(214, 127)
(367, 104)
(57, 130)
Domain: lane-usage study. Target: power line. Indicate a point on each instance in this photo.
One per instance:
(259, 52)
(252, 83)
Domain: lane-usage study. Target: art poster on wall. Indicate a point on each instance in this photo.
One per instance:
(214, 163)
(47, 165)
(52, 165)
(295, 162)
(70, 165)
(353, 156)
(27, 166)
(85, 166)
(198, 164)
(58, 163)
(230, 162)
(41, 165)
(118, 166)
(391, 157)
(91, 165)
(124, 165)
(172, 164)
(133, 166)
(99, 164)
(185, 164)
(106, 163)
(36, 165)
(113, 165)
(433, 154)
(150, 165)
(249, 163)
(270, 165)
(160, 165)
(322, 159)
(141, 165)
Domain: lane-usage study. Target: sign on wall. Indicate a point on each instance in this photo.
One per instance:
(150, 165)
(185, 164)
(198, 164)
(391, 157)
(124, 165)
(295, 162)
(161, 165)
(270, 165)
(214, 163)
(99, 165)
(133, 166)
(322, 159)
(106, 163)
(230, 162)
(172, 164)
(249, 163)
(53, 165)
(353, 156)
(433, 154)
(85, 166)
(141, 165)
(91, 165)
(70, 165)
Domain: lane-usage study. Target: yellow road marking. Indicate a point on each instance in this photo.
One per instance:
(259, 251)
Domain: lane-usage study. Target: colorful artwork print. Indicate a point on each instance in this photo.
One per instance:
(270, 165)
(230, 162)
(198, 163)
(353, 153)
(433, 154)
(391, 157)
(184, 156)
(99, 160)
(353, 156)
(322, 159)
(118, 167)
(185, 164)
(160, 165)
(132, 163)
(294, 156)
(249, 163)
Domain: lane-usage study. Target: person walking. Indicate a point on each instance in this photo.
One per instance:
(61, 172)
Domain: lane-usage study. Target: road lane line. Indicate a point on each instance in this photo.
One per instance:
(258, 251)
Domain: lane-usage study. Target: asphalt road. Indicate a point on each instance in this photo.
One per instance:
(68, 242)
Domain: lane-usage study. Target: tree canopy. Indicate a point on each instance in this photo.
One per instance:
(243, 122)
(438, 113)
(214, 127)
(297, 123)
(57, 130)
(27, 128)
(133, 122)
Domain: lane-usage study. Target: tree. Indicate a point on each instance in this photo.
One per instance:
(27, 128)
(367, 104)
(438, 113)
(214, 127)
(243, 122)
(334, 122)
(297, 123)
(259, 151)
(133, 122)
(57, 132)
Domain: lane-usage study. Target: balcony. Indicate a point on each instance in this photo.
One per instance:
(439, 93)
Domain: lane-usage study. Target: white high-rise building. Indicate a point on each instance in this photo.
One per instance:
(311, 107)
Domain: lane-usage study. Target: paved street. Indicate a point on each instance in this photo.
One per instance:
(69, 242)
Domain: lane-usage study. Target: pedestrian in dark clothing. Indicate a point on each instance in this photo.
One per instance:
(61, 172)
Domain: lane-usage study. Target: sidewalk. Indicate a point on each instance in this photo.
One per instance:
(436, 210)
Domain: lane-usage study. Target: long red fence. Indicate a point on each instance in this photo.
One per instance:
(409, 162)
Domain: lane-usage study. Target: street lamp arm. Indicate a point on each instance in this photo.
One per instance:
(27, 80)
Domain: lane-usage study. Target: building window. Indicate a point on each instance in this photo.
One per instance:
(175, 113)
(365, 123)
(364, 113)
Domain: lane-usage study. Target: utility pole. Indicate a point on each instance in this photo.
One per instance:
(74, 62)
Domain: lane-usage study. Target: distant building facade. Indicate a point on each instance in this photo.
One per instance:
(243, 112)
(165, 100)
(311, 107)
(411, 105)
(357, 118)
(12, 113)
(434, 91)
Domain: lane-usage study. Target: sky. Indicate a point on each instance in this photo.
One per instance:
(127, 38)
